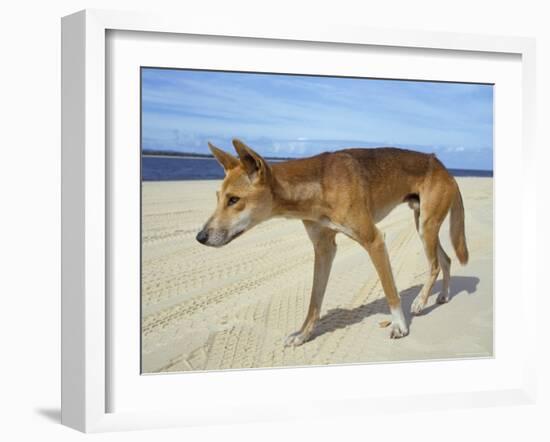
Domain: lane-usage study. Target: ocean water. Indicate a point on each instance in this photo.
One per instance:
(178, 169)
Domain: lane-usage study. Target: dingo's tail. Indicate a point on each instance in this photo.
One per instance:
(458, 236)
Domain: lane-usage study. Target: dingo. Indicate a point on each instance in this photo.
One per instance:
(347, 191)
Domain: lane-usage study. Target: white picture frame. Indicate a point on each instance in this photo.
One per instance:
(86, 205)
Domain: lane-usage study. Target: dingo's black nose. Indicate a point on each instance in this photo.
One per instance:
(202, 236)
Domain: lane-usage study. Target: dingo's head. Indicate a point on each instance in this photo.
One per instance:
(245, 198)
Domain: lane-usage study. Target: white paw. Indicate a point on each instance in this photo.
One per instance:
(418, 305)
(296, 339)
(398, 330)
(398, 324)
(443, 297)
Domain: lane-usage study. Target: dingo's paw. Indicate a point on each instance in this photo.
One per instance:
(296, 339)
(443, 297)
(418, 305)
(398, 330)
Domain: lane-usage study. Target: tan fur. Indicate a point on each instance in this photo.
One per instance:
(457, 229)
(348, 192)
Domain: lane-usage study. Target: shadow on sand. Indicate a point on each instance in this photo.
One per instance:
(340, 317)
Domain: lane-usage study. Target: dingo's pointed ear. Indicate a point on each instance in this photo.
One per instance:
(226, 160)
(256, 167)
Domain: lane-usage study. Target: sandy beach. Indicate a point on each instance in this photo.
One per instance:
(230, 308)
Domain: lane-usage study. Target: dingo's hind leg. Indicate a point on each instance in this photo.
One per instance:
(445, 264)
(428, 219)
(325, 249)
(443, 260)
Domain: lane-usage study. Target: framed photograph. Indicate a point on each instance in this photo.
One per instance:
(263, 222)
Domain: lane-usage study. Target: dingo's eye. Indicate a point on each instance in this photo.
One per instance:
(233, 200)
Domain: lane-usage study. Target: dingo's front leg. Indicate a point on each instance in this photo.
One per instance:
(375, 245)
(325, 249)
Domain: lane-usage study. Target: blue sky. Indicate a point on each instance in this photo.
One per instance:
(296, 116)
